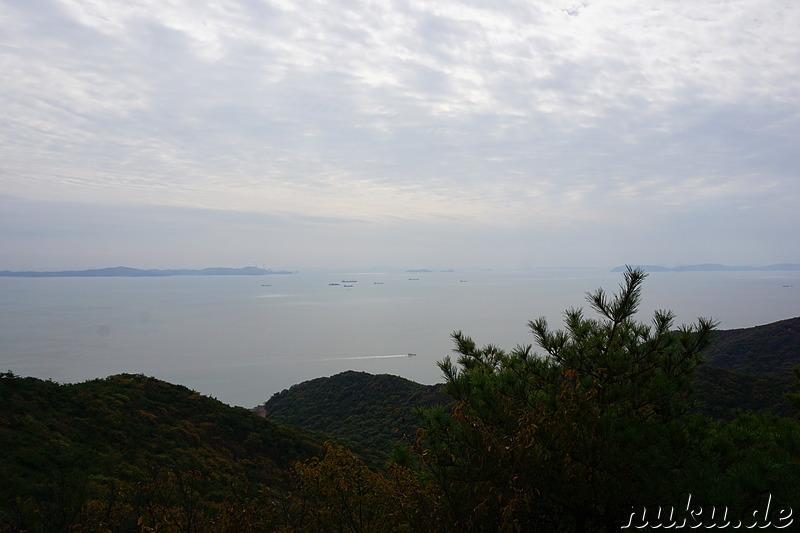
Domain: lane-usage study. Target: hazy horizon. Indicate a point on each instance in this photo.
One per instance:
(423, 269)
(234, 338)
(448, 134)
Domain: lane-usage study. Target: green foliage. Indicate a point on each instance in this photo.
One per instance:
(369, 413)
(566, 440)
(750, 369)
(749, 457)
(574, 436)
(794, 397)
(722, 393)
(74, 452)
(760, 350)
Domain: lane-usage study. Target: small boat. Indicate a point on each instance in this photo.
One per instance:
(378, 283)
(332, 284)
(349, 281)
(346, 285)
(412, 355)
(413, 279)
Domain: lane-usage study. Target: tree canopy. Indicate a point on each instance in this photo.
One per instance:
(594, 425)
(577, 433)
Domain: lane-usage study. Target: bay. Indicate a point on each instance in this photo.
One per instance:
(241, 338)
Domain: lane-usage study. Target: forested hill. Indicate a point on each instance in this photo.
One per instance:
(747, 369)
(136, 447)
(750, 369)
(133, 421)
(133, 453)
(758, 350)
(371, 410)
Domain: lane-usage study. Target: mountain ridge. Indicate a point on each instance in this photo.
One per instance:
(713, 267)
(123, 271)
(745, 369)
(133, 453)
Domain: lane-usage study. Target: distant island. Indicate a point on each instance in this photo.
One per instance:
(713, 267)
(122, 271)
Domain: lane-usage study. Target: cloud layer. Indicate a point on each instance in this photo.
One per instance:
(515, 125)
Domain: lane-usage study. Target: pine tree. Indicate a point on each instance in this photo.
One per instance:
(570, 438)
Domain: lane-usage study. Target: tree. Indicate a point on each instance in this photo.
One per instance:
(571, 438)
(339, 493)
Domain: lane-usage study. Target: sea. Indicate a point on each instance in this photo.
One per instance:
(241, 339)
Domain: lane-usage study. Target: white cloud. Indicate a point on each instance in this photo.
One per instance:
(516, 113)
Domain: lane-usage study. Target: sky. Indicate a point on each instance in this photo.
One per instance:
(415, 134)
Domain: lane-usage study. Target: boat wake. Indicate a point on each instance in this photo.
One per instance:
(354, 357)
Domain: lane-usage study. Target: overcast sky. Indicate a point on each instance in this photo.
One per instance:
(439, 134)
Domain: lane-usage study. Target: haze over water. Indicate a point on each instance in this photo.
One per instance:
(241, 338)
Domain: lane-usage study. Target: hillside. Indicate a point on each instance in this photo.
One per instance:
(750, 369)
(759, 350)
(373, 410)
(133, 453)
(144, 440)
(747, 369)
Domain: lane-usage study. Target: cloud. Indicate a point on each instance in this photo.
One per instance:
(525, 115)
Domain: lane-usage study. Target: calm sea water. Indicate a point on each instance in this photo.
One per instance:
(241, 339)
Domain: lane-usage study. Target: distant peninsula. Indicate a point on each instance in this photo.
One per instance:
(713, 267)
(122, 271)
